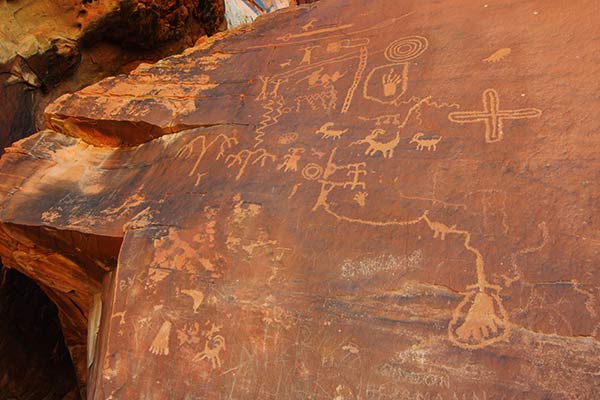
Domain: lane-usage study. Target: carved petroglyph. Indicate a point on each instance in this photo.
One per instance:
(294, 190)
(214, 345)
(199, 177)
(196, 295)
(514, 258)
(386, 84)
(160, 344)
(343, 392)
(290, 160)
(329, 133)
(390, 82)
(361, 198)
(307, 55)
(275, 91)
(309, 25)
(274, 109)
(312, 171)
(486, 320)
(264, 88)
(425, 143)
(492, 116)
(189, 334)
(485, 323)
(353, 170)
(245, 156)
(439, 229)
(362, 65)
(498, 55)
(387, 148)
(288, 36)
(186, 151)
(287, 138)
(326, 98)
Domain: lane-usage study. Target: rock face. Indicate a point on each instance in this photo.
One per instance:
(44, 43)
(342, 201)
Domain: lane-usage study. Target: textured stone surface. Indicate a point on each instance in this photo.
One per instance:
(49, 48)
(343, 201)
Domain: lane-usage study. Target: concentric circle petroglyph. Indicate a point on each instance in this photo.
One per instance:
(406, 48)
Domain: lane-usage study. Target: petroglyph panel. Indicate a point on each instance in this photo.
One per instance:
(356, 201)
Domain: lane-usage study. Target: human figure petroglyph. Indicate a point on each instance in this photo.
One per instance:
(429, 144)
(275, 90)
(243, 158)
(186, 151)
(492, 117)
(263, 90)
(356, 49)
(329, 133)
(290, 160)
(307, 56)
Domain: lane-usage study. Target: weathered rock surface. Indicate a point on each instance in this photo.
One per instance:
(374, 200)
(49, 48)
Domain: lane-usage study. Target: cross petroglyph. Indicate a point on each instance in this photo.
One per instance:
(492, 116)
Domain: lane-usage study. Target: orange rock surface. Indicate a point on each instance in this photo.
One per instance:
(376, 200)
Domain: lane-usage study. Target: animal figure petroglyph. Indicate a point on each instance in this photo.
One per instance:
(309, 24)
(498, 55)
(429, 144)
(330, 133)
(386, 148)
(212, 350)
(439, 229)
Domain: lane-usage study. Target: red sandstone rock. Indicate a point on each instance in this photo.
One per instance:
(344, 201)
(70, 44)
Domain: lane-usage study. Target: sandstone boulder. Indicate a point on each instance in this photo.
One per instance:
(374, 200)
